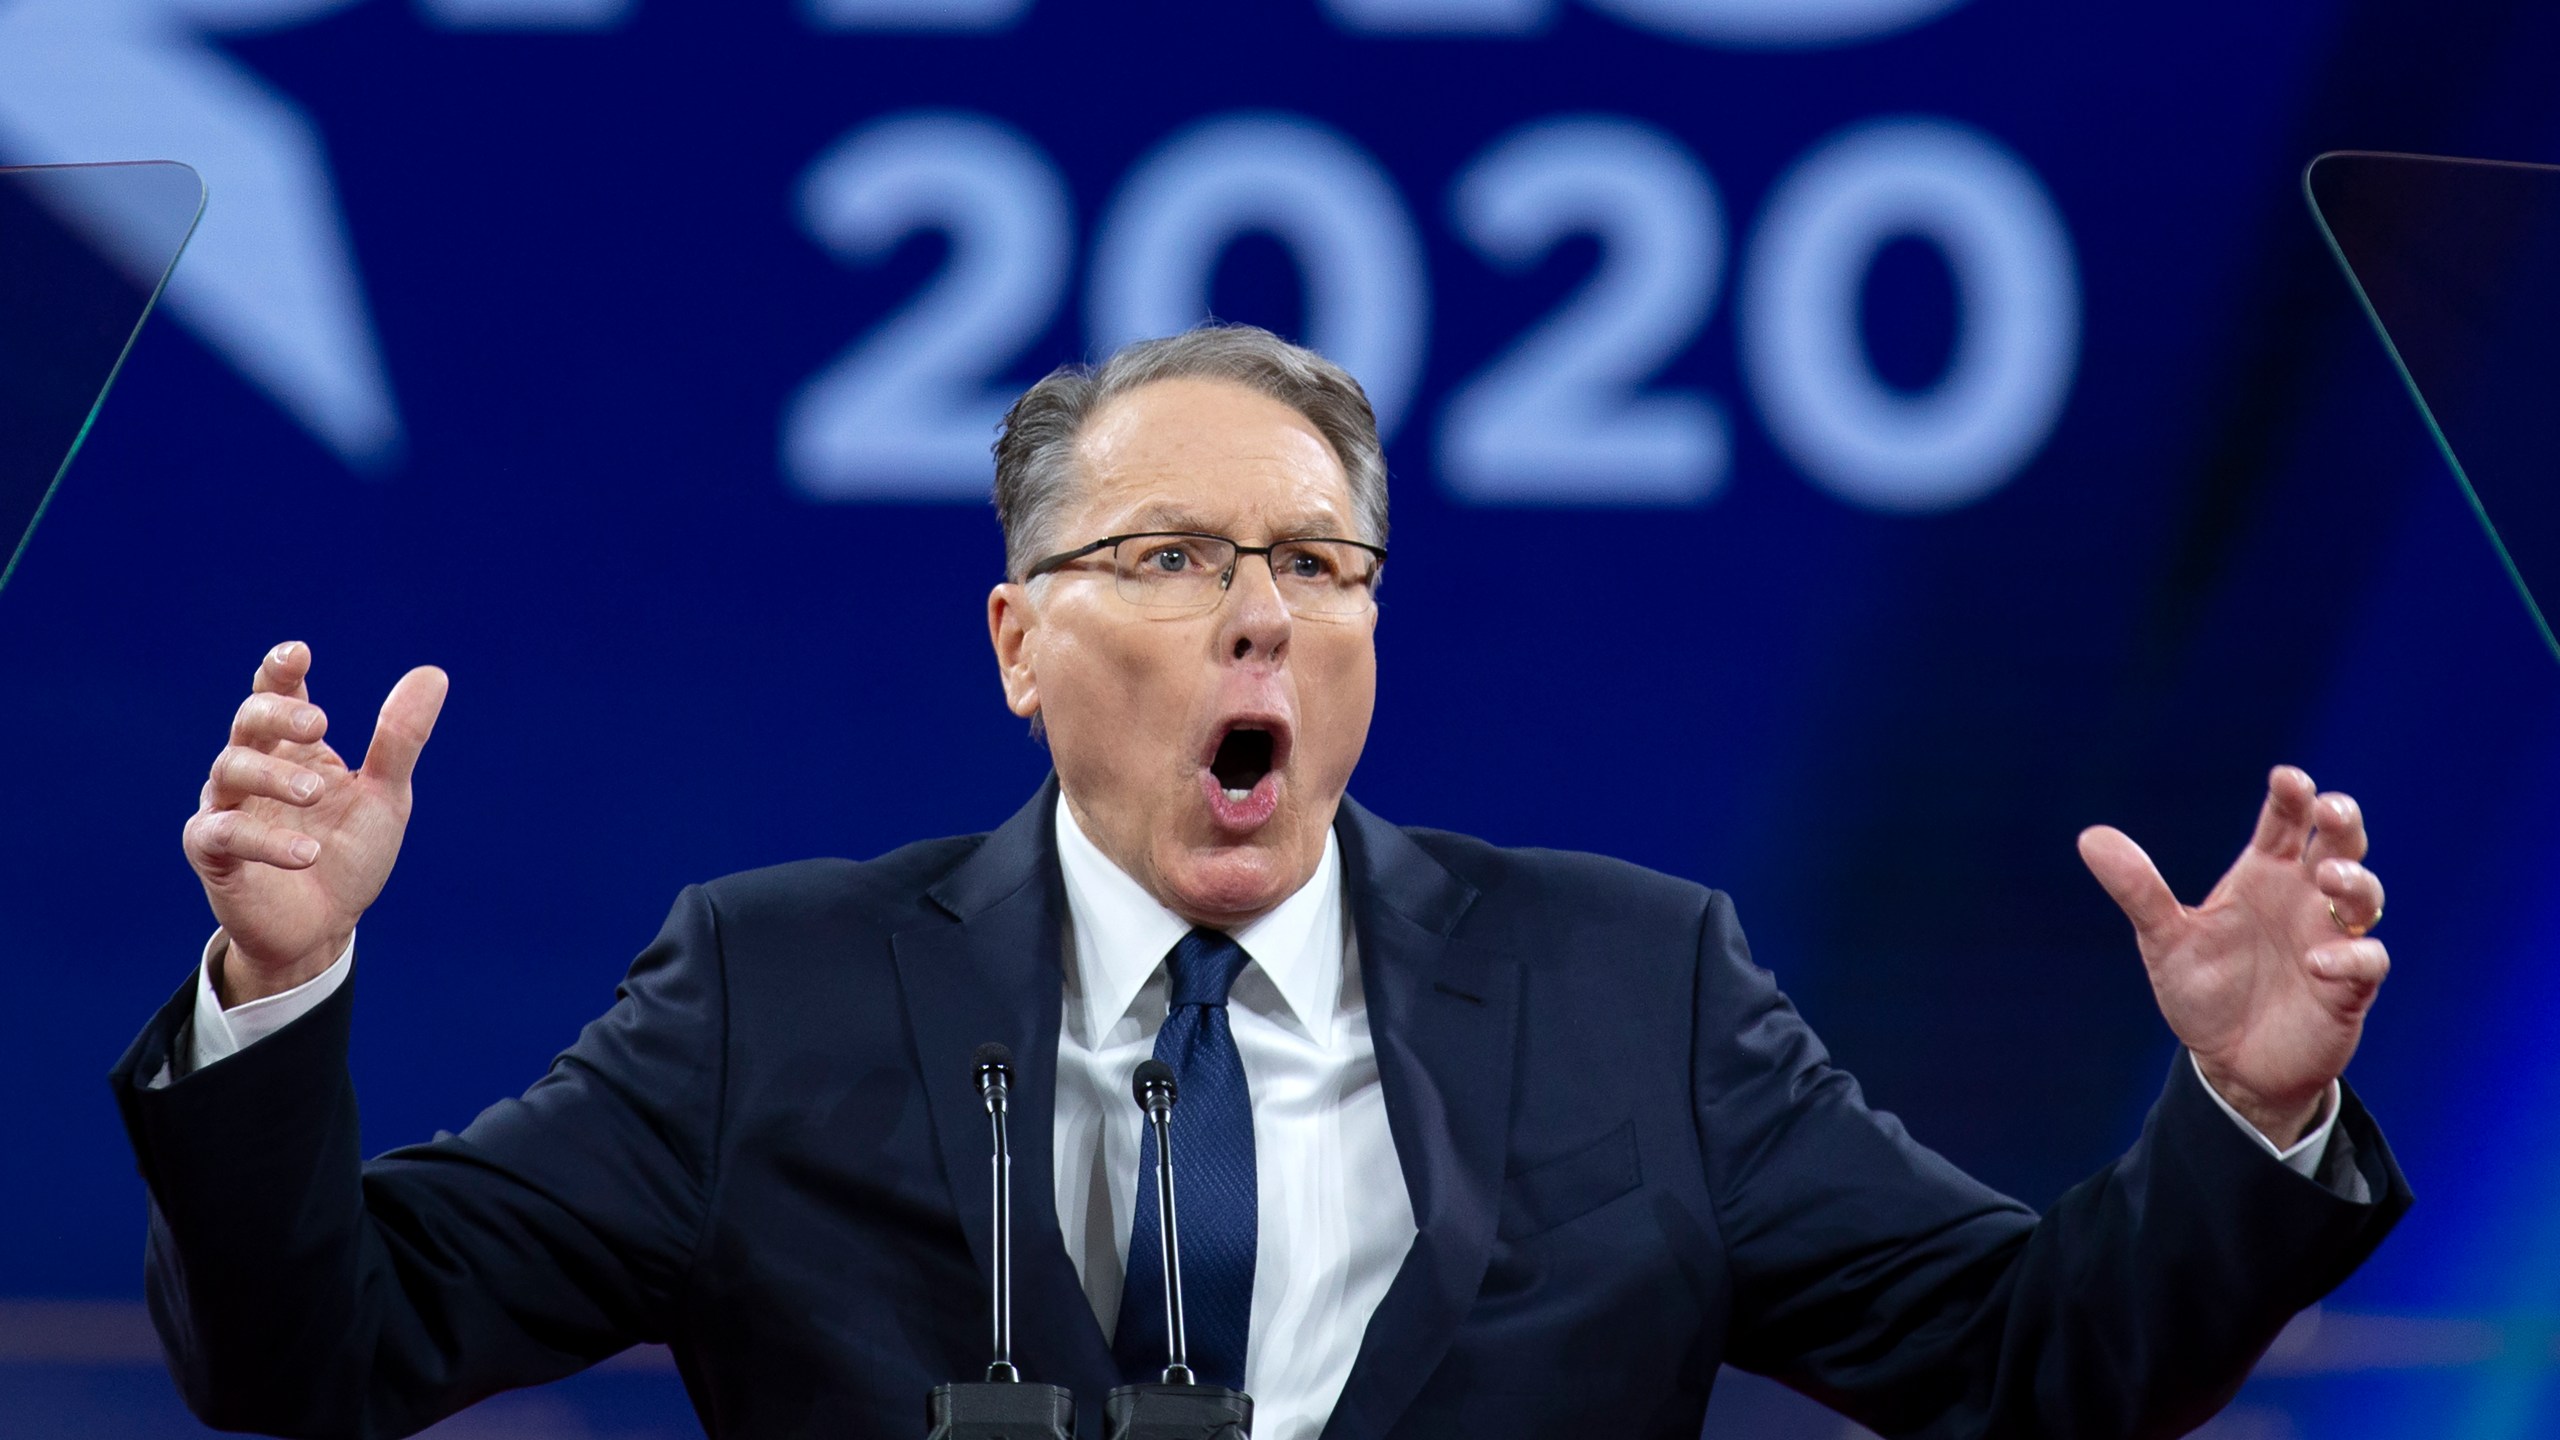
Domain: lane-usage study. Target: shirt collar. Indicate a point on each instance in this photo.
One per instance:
(1122, 935)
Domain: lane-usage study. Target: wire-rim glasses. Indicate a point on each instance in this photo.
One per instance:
(1181, 572)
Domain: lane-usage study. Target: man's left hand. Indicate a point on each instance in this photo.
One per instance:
(2269, 979)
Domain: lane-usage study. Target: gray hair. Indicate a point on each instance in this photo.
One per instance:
(1035, 448)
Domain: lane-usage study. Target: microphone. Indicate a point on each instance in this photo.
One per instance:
(1002, 1407)
(1179, 1408)
(1156, 1092)
(993, 1066)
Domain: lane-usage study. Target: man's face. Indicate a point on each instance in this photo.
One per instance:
(1151, 719)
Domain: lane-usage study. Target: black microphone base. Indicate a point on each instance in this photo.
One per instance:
(1177, 1412)
(995, 1411)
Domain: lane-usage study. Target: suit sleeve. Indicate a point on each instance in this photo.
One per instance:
(300, 1291)
(1877, 1278)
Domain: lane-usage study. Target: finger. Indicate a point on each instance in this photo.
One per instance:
(240, 772)
(224, 840)
(2130, 877)
(263, 721)
(2338, 823)
(2354, 892)
(408, 717)
(2284, 822)
(2349, 971)
(283, 672)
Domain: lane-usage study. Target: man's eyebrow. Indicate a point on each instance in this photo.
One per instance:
(1166, 516)
(1160, 515)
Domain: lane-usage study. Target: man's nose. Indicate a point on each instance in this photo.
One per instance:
(1254, 620)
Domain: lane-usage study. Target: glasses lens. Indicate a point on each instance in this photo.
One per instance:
(1172, 572)
(1324, 577)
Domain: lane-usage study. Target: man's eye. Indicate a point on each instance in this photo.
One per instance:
(1171, 560)
(1307, 565)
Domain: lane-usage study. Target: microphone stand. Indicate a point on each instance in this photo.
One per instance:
(1180, 1408)
(1003, 1406)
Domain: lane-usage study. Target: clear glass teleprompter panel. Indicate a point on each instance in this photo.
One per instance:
(2458, 264)
(84, 250)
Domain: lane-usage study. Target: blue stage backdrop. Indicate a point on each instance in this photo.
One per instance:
(1840, 448)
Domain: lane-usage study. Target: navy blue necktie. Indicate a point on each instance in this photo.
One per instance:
(1213, 1179)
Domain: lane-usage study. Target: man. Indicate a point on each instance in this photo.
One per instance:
(1473, 1142)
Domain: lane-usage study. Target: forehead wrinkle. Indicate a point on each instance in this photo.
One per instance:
(1173, 472)
(1304, 505)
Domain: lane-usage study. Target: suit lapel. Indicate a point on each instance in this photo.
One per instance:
(1442, 1015)
(991, 971)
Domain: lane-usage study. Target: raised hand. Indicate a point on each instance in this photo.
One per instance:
(291, 845)
(2268, 980)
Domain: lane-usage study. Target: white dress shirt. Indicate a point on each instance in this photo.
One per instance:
(1333, 1220)
(1333, 1217)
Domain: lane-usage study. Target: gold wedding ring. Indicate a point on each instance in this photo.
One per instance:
(2353, 931)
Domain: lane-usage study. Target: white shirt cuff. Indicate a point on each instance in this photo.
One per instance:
(219, 1034)
(2304, 1155)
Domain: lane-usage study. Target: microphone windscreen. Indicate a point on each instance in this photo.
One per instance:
(1154, 1077)
(994, 1059)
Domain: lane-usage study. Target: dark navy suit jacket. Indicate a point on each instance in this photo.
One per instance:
(1628, 1158)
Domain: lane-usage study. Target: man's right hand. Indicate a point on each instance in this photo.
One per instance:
(291, 845)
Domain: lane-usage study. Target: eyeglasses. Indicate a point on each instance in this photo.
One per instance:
(1177, 572)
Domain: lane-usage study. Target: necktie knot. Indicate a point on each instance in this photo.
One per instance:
(1203, 966)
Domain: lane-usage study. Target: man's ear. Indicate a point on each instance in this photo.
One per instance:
(1010, 622)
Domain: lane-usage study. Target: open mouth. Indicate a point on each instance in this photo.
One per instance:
(1243, 757)
(1240, 776)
